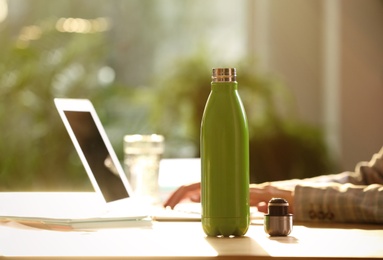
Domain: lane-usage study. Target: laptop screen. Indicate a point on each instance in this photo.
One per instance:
(96, 154)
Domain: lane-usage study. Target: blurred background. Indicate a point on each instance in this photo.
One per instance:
(310, 75)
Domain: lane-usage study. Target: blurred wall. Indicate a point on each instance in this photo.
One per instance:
(329, 53)
(361, 80)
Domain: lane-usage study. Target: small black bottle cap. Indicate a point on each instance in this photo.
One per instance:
(278, 221)
(278, 207)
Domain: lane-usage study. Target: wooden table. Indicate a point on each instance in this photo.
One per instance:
(185, 240)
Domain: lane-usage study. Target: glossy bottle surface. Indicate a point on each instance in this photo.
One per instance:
(224, 162)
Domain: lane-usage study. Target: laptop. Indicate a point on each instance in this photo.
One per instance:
(103, 167)
(115, 205)
(97, 155)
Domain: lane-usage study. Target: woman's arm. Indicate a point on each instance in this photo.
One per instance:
(348, 196)
(339, 202)
(345, 197)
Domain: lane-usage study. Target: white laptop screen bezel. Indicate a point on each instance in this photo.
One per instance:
(84, 105)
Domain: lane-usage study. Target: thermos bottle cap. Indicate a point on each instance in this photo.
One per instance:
(224, 75)
(278, 222)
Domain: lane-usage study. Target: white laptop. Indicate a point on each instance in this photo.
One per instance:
(102, 165)
(113, 205)
(96, 152)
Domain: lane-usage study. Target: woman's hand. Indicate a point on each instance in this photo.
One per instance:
(260, 195)
(191, 192)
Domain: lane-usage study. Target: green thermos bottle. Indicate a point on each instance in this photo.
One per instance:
(224, 159)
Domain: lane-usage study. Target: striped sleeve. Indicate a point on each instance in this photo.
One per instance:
(345, 197)
(339, 202)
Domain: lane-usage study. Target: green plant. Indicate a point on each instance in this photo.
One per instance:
(280, 146)
(36, 66)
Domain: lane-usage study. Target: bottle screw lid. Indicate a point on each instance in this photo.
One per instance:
(224, 75)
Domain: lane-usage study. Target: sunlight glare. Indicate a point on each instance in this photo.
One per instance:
(3, 10)
(80, 25)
